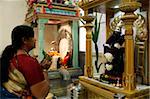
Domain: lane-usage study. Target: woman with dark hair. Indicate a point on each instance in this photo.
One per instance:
(21, 74)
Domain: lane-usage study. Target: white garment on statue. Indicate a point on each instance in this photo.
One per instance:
(54, 63)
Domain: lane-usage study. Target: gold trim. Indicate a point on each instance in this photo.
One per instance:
(89, 83)
(91, 4)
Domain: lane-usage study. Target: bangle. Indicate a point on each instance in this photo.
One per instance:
(45, 70)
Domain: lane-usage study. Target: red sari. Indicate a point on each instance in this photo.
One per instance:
(29, 67)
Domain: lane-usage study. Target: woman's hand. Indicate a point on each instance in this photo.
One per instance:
(46, 64)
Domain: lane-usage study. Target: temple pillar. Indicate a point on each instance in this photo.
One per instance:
(129, 77)
(88, 68)
(41, 30)
(75, 44)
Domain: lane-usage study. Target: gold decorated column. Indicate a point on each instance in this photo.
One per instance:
(129, 77)
(88, 68)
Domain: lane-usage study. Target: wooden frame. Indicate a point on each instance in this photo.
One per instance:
(129, 76)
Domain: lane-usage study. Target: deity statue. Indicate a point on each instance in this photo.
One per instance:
(114, 65)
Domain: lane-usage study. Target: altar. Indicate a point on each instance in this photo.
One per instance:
(56, 31)
(48, 22)
(131, 81)
(98, 90)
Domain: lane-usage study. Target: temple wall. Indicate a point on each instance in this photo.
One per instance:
(12, 14)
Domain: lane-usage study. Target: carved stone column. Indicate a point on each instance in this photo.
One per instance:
(129, 77)
(88, 68)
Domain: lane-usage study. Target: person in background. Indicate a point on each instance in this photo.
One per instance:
(22, 76)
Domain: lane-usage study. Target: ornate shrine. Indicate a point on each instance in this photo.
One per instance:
(129, 88)
(56, 29)
(41, 15)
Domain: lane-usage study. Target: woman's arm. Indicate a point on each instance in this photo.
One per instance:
(40, 90)
(37, 80)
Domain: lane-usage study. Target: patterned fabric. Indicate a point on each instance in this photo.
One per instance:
(16, 83)
(23, 73)
(4, 94)
(30, 68)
